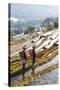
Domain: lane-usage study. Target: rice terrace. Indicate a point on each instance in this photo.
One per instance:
(41, 66)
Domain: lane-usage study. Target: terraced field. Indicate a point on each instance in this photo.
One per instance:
(30, 78)
(43, 56)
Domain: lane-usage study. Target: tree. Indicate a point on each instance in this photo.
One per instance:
(29, 30)
(56, 22)
(50, 23)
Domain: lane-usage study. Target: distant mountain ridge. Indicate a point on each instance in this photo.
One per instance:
(24, 23)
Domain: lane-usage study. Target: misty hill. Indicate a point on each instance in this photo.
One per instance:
(21, 24)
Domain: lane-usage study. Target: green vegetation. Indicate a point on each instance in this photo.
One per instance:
(50, 23)
(30, 30)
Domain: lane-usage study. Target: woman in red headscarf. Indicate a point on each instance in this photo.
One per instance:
(33, 54)
(23, 58)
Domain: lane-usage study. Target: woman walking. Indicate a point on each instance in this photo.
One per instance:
(23, 58)
(33, 55)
